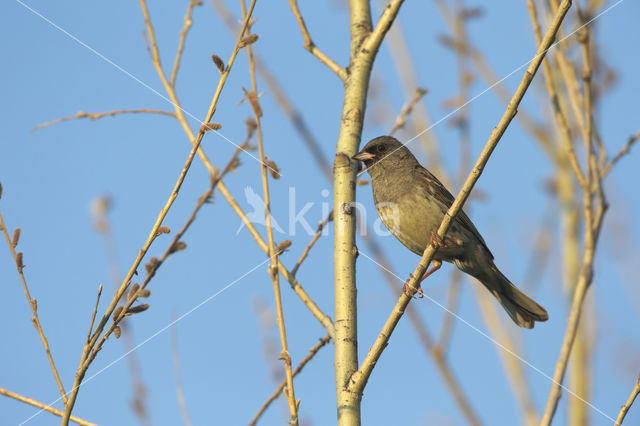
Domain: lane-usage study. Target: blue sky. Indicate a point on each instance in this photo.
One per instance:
(51, 177)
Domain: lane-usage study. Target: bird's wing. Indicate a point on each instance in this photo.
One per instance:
(444, 197)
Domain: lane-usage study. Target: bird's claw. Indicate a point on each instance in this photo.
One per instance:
(411, 292)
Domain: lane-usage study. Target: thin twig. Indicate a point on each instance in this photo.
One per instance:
(98, 115)
(311, 47)
(183, 36)
(593, 222)
(43, 406)
(33, 305)
(315, 238)
(624, 151)
(100, 209)
(90, 350)
(559, 114)
(272, 253)
(437, 352)
(324, 319)
(312, 352)
(93, 315)
(407, 109)
(360, 377)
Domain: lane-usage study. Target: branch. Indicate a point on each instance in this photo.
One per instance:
(98, 115)
(183, 36)
(407, 109)
(360, 377)
(90, 350)
(593, 222)
(252, 97)
(623, 410)
(372, 42)
(624, 151)
(436, 351)
(559, 114)
(311, 47)
(33, 303)
(312, 352)
(315, 238)
(42, 406)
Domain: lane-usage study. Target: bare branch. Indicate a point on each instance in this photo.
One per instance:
(311, 47)
(408, 109)
(183, 36)
(98, 115)
(33, 305)
(624, 151)
(623, 410)
(42, 406)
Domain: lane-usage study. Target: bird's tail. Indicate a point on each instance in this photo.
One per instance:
(523, 310)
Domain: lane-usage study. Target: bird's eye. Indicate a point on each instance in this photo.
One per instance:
(381, 148)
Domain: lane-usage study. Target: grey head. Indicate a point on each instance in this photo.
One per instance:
(385, 154)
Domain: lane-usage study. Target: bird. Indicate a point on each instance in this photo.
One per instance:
(411, 203)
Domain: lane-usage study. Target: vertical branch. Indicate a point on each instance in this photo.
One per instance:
(593, 216)
(365, 42)
(273, 255)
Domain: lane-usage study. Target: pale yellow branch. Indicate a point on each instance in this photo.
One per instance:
(42, 406)
(315, 238)
(559, 114)
(183, 36)
(272, 253)
(311, 47)
(98, 115)
(407, 109)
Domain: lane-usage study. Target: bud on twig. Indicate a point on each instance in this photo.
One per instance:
(163, 230)
(219, 63)
(274, 170)
(207, 127)
(137, 309)
(16, 237)
(179, 245)
(248, 40)
(282, 247)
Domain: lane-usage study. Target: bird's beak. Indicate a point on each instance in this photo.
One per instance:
(364, 156)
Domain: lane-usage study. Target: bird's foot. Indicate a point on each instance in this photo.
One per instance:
(436, 265)
(411, 292)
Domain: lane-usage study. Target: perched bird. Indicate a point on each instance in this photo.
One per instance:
(411, 202)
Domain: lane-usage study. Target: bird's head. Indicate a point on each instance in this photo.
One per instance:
(384, 147)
